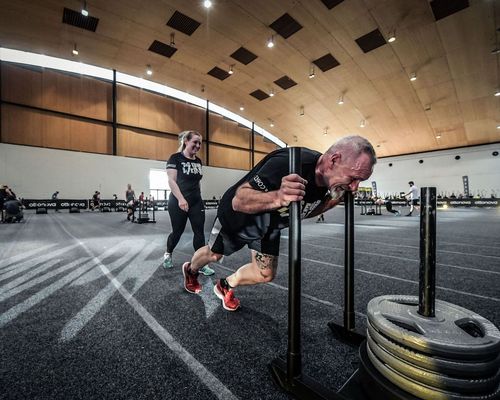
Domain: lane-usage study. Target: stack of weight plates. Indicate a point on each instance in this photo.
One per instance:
(453, 355)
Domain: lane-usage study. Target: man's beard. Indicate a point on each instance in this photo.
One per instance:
(336, 193)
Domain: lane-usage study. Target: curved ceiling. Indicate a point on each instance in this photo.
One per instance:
(344, 42)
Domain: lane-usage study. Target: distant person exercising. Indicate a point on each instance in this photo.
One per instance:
(130, 199)
(54, 197)
(413, 195)
(254, 210)
(184, 170)
(388, 206)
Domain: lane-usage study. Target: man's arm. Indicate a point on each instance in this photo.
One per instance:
(250, 201)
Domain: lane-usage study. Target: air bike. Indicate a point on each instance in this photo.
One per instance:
(413, 347)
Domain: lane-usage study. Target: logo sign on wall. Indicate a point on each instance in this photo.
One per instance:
(374, 188)
(465, 179)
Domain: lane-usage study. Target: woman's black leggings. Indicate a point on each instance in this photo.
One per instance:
(178, 218)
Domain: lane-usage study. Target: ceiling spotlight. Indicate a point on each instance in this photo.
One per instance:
(207, 4)
(362, 124)
(497, 92)
(85, 12)
(271, 124)
(392, 37)
(496, 50)
(75, 50)
(270, 42)
(202, 88)
(242, 108)
(149, 71)
(301, 110)
(325, 131)
(230, 72)
(172, 39)
(498, 126)
(271, 93)
(341, 100)
(311, 72)
(438, 136)
(413, 77)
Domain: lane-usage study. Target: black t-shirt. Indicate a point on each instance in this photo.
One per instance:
(266, 176)
(189, 174)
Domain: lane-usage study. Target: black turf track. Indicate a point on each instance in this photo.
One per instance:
(67, 332)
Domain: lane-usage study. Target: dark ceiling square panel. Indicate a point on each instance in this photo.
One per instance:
(76, 18)
(285, 82)
(218, 73)
(326, 62)
(244, 56)
(371, 41)
(259, 94)
(183, 23)
(443, 8)
(286, 26)
(331, 3)
(162, 49)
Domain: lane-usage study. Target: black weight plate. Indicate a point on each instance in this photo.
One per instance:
(433, 379)
(456, 368)
(420, 390)
(454, 332)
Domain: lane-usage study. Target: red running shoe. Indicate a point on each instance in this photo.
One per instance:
(191, 283)
(229, 302)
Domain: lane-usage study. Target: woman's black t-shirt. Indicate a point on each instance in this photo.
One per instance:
(266, 177)
(189, 174)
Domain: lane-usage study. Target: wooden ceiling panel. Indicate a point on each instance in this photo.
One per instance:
(457, 74)
(481, 131)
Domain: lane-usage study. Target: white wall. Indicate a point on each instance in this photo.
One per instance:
(440, 169)
(35, 172)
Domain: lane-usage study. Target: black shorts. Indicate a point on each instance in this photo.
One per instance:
(227, 243)
(414, 202)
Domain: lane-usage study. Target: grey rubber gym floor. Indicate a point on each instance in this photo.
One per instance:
(87, 311)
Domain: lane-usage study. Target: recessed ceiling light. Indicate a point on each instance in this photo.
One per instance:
(242, 108)
(413, 77)
(149, 71)
(392, 37)
(498, 126)
(85, 12)
(270, 42)
(207, 4)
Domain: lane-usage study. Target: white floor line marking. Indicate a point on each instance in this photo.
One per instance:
(26, 277)
(14, 259)
(215, 385)
(487, 271)
(40, 279)
(440, 241)
(400, 279)
(18, 268)
(304, 295)
(137, 265)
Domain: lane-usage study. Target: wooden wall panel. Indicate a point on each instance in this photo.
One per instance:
(258, 157)
(144, 144)
(225, 157)
(78, 95)
(22, 85)
(127, 105)
(263, 145)
(156, 112)
(21, 126)
(57, 91)
(189, 117)
(228, 132)
(38, 128)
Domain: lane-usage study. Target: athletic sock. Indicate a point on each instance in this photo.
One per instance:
(225, 284)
